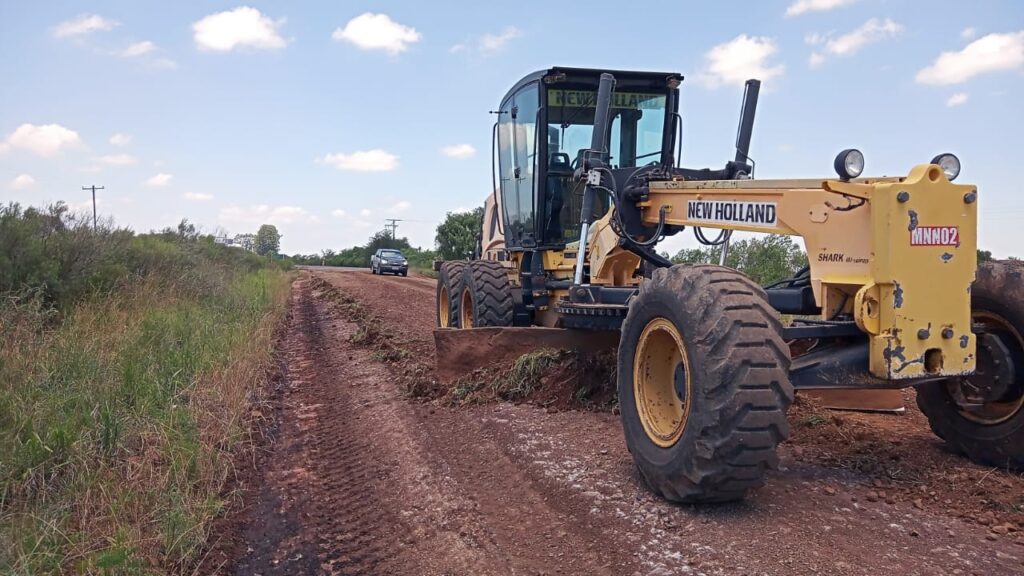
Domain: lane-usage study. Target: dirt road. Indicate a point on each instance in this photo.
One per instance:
(359, 479)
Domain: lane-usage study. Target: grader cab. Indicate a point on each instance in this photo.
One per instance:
(587, 182)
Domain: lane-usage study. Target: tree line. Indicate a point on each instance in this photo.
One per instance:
(454, 238)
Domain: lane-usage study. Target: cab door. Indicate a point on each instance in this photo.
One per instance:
(517, 166)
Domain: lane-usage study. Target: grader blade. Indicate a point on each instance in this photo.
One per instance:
(460, 352)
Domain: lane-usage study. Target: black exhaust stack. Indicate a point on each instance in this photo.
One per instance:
(746, 127)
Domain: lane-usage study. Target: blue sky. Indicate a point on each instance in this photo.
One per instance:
(325, 118)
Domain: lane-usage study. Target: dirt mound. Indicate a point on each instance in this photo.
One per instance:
(552, 379)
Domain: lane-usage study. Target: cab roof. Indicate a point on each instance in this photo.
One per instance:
(623, 78)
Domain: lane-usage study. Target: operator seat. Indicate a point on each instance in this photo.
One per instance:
(558, 179)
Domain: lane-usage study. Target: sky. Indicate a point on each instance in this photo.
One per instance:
(326, 118)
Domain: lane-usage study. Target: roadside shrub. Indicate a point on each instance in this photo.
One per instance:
(131, 368)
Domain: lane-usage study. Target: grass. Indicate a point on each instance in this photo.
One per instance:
(124, 403)
(515, 382)
(119, 426)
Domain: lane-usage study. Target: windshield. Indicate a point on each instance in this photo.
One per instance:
(391, 253)
(637, 127)
(638, 121)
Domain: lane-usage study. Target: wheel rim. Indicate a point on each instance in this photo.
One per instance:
(466, 309)
(963, 390)
(661, 382)
(442, 307)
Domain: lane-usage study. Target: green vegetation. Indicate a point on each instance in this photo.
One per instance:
(359, 256)
(267, 241)
(765, 259)
(456, 237)
(131, 369)
(513, 383)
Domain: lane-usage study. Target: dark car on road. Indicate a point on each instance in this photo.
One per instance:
(389, 260)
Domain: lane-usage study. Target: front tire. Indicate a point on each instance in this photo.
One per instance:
(486, 295)
(703, 383)
(982, 416)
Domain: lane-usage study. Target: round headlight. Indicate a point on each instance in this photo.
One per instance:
(949, 163)
(849, 163)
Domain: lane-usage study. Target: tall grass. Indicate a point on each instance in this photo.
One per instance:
(124, 400)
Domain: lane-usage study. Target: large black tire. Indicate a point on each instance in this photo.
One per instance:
(449, 292)
(486, 295)
(737, 391)
(993, 433)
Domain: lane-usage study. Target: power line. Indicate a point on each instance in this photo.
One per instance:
(94, 188)
(392, 224)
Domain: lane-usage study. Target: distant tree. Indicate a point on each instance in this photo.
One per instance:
(246, 241)
(765, 259)
(457, 235)
(984, 256)
(268, 240)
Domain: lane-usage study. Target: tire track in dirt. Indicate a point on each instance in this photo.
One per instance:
(362, 481)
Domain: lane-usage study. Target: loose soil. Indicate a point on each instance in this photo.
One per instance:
(370, 469)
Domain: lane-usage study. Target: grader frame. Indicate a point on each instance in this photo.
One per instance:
(705, 373)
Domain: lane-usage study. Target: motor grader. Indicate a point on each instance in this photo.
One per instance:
(588, 181)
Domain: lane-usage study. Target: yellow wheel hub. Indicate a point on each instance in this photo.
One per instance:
(661, 382)
(442, 307)
(466, 309)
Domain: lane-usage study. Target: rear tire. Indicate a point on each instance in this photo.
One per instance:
(449, 291)
(486, 295)
(989, 431)
(703, 378)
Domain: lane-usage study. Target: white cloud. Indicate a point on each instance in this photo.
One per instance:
(22, 182)
(118, 159)
(874, 30)
(197, 196)
(46, 140)
(991, 53)
(400, 206)
(160, 180)
(803, 6)
(377, 32)
(243, 27)
(460, 151)
(815, 38)
(251, 216)
(489, 43)
(740, 59)
(375, 160)
(968, 33)
(137, 49)
(81, 25)
(957, 99)
(338, 213)
(121, 139)
(365, 213)
(815, 60)
(164, 64)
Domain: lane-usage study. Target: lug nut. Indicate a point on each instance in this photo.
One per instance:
(903, 196)
(947, 333)
(923, 334)
(970, 197)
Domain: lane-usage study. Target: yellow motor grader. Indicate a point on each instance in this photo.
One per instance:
(587, 184)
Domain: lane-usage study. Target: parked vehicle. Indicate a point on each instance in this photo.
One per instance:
(389, 260)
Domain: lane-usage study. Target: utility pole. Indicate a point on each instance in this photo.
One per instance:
(392, 224)
(94, 189)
